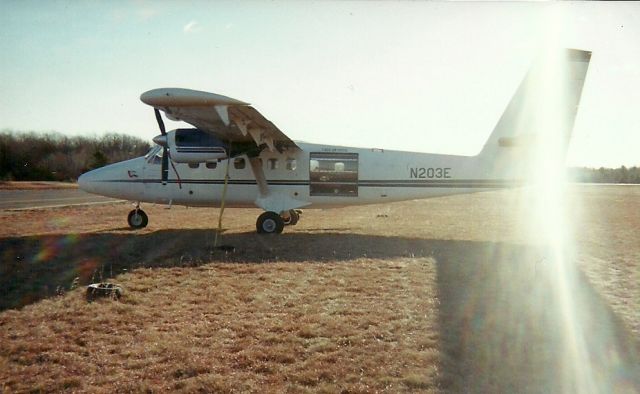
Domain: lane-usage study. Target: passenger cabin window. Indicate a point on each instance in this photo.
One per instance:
(239, 163)
(333, 174)
(211, 165)
(291, 164)
(273, 164)
(194, 165)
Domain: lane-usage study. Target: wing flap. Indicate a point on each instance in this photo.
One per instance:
(226, 118)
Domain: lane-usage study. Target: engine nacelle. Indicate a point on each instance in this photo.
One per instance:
(194, 146)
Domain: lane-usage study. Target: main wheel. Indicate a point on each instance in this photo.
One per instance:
(138, 219)
(269, 223)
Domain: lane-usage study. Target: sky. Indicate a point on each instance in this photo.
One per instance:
(418, 76)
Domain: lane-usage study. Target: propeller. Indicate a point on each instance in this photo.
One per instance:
(162, 141)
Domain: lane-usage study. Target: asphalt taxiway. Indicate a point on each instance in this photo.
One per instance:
(48, 198)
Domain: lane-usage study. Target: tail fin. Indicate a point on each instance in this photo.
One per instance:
(546, 102)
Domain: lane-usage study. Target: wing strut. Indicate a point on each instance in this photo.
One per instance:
(268, 199)
(222, 198)
(258, 173)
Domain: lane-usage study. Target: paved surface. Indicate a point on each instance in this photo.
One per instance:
(29, 199)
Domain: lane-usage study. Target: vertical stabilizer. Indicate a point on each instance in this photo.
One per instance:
(541, 114)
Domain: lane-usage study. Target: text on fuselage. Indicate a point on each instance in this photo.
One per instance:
(430, 172)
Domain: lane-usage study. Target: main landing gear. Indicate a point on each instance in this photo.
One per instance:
(137, 218)
(272, 223)
(267, 223)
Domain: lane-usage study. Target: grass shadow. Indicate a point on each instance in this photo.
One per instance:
(34, 267)
(510, 325)
(502, 326)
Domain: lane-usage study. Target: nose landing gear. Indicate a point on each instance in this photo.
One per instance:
(137, 218)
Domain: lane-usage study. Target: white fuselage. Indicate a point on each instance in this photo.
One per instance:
(183, 169)
(314, 176)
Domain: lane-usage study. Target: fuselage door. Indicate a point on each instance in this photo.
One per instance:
(333, 174)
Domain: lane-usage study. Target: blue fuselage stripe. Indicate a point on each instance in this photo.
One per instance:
(452, 183)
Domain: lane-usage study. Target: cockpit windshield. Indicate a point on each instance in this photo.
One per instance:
(153, 151)
(154, 156)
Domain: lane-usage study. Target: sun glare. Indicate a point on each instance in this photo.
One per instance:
(548, 216)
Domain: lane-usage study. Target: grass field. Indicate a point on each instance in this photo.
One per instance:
(443, 295)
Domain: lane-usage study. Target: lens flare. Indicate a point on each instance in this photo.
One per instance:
(549, 220)
(52, 246)
(588, 356)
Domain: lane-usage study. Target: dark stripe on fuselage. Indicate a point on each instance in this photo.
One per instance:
(449, 183)
(201, 151)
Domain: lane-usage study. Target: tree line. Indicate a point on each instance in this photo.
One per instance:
(31, 156)
(55, 157)
(605, 175)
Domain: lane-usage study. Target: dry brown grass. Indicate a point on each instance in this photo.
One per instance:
(439, 295)
(235, 327)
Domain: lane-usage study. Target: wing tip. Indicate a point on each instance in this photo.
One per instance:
(178, 97)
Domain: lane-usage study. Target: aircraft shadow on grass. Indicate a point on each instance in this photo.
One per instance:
(504, 325)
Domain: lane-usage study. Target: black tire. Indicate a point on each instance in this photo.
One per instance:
(137, 219)
(269, 223)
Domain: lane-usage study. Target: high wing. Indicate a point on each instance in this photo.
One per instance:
(227, 118)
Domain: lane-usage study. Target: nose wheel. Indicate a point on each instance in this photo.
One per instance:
(137, 219)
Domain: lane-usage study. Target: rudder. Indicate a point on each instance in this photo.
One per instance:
(545, 105)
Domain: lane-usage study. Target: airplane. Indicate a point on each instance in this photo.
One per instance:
(235, 157)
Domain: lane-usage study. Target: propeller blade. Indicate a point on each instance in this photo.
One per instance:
(165, 165)
(160, 122)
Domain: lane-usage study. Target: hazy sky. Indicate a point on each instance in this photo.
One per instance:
(432, 77)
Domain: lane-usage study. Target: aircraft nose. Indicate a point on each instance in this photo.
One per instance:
(85, 180)
(93, 181)
(118, 180)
